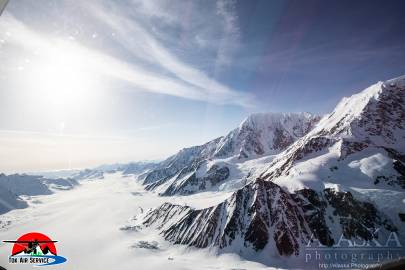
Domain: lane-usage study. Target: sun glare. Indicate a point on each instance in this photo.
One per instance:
(61, 77)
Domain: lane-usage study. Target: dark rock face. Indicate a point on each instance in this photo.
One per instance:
(385, 115)
(314, 209)
(247, 216)
(356, 218)
(184, 161)
(262, 213)
(282, 139)
(146, 245)
(193, 184)
(350, 147)
(400, 168)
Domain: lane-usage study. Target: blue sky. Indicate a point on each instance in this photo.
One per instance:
(102, 81)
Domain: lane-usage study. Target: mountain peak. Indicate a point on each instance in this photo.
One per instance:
(375, 111)
(368, 125)
(255, 119)
(266, 133)
(209, 165)
(398, 82)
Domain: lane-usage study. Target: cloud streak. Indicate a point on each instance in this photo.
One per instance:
(230, 40)
(164, 74)
(130, 34)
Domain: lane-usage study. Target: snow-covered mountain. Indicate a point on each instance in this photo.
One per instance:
(264, 133)
(205, 166)
(14, 188)
(264, 218)
(88, 174)
(363, 138)
(139, 167)
(132, 168)
(346, 177)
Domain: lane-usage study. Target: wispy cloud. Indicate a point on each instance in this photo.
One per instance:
(144, 45)
(156, 9)
(165, 72)
(230, 39)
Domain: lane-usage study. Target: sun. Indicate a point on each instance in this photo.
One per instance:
(61, 80)
(60, 76)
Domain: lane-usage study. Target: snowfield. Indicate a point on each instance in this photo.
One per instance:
(89, 223)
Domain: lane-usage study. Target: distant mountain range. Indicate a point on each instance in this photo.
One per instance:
(15, 186)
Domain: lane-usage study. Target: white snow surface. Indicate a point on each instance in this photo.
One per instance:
(87, 220)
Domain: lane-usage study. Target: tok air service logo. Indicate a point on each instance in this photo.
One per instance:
(34, 248)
